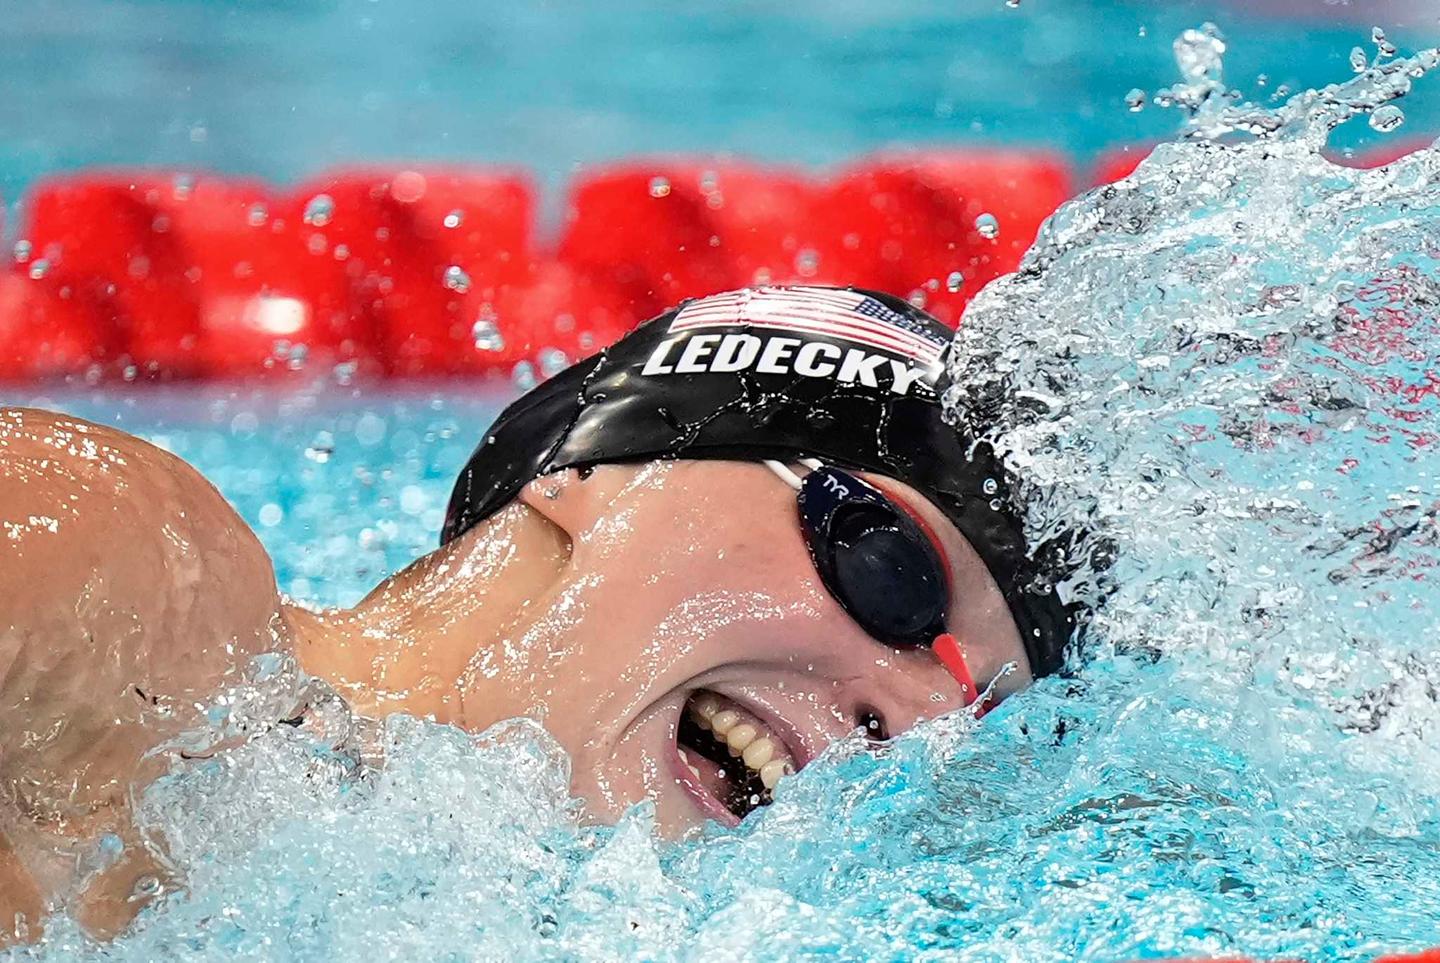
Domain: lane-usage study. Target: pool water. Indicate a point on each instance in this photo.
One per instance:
(282, 89)
(1220, 368)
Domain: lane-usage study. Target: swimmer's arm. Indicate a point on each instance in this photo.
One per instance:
(129, 591)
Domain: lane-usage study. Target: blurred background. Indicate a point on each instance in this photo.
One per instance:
(225, 219)
(282, 88)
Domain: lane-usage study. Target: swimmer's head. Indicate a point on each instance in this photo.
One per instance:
(839, 377)
(733, 537)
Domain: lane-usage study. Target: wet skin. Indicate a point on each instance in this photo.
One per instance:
(598, 605)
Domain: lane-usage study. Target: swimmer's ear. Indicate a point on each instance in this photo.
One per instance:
(573, 499)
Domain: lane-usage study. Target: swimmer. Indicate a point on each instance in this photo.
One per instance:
(699, 557)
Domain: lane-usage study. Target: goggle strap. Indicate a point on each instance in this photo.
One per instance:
(947, 649)
(783, 470)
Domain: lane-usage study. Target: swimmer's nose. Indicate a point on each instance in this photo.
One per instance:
(922, 691)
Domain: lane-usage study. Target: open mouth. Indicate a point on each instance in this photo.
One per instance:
(731, 761)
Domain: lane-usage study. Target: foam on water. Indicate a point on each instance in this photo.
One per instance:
(1221, 369)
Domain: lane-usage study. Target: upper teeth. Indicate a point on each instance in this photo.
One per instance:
(744, 739)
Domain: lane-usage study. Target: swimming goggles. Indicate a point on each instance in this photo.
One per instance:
(879, 561)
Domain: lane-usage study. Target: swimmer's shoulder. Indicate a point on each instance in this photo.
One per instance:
(85, 507)
(126, 582)
(130, 591)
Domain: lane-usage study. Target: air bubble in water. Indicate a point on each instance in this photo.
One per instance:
(1135, 100)
(987, 226)
(659, 186)
(1387, 118)
(486, 334)
(257, 215)
(319, 210)
(456, 279)
(1358, 61)
(454, 219)
(954, 282)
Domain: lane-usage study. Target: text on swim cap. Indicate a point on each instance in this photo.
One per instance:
(730, 353)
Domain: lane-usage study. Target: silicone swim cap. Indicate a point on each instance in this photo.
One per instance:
(848, 376)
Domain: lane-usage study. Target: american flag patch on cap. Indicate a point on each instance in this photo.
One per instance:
(826, 312)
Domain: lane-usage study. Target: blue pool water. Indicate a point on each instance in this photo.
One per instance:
(281, 89)
(1222, 369)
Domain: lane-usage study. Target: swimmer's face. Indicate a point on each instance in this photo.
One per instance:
(684, 603)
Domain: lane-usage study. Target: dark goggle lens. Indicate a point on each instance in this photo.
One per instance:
(874, 559)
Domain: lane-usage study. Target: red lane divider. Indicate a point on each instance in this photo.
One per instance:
(99, 265)
(665, 230)
(937, 226)
(1120, 163)
(426, 254)
(437, 271)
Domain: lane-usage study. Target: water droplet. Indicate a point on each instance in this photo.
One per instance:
(321, 448)
(319, 210)
(553, 361)
(486, 334)
(523, 374)
(344, 372)
(1012, 4)
(298, 354)
(954, 282)
(1358, 61)
(1135, 100)
(257, 215)
(1382, 44)
(146, 887)
(987, 226)
(456, 279)
(39, 268)
(659, 187)
(370, 429)
(23, 250)
(1200, 55)
(1387, 118)
(917, 298)
(454, 219)
(990, 486)
(807, 262)
(182, 186)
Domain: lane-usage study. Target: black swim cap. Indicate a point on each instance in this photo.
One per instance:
(848, 376)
